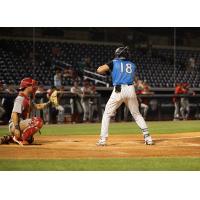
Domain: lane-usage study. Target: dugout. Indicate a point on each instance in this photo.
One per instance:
(161, 106)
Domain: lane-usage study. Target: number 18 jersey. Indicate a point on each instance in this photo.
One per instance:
(123, 71)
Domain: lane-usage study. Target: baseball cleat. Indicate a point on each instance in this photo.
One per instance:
(148, 140)
(6, 139)
(101, 142)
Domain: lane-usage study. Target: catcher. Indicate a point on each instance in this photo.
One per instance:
(21, 126)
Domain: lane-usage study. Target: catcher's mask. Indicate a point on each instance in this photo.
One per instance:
(122, 52)
(27, 82)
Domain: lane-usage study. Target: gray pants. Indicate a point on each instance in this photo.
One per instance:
(92, 108)
(86, 109)
(23, 125)
(61, 114)
(46, 115)
(145, 109)
(177, 110)
(185, 108)
(76, 106)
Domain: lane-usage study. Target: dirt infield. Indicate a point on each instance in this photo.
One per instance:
(119, 146)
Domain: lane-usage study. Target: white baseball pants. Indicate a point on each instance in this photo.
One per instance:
(128, 96)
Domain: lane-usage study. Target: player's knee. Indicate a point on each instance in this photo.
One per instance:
(37, 121)
(109, 114)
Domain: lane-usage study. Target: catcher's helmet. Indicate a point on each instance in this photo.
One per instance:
(122, 52)
(26, 82)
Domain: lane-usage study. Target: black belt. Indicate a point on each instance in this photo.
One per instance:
(123, 84)
(118, 87)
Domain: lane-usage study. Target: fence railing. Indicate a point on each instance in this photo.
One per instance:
(161, 106)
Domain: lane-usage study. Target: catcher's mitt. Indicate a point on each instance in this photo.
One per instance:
(54, 98)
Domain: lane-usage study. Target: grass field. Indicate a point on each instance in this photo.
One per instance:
(186, 163)
(117, 128)
(139, 164)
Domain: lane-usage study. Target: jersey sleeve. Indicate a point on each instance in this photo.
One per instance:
(18, 105)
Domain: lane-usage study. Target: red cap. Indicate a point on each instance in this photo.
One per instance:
(26, 82)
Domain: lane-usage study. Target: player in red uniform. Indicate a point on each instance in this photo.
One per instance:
(182, 106)
(177, 100)
(185, 104)
(21, 126)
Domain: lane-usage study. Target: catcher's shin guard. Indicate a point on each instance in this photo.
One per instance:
(35, 125)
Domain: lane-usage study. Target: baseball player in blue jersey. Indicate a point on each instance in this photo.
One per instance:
(123, 72)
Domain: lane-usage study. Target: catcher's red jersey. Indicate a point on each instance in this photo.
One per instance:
(22, 105)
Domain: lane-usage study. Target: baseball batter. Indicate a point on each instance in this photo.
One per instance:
(21, 126)
(123, 72)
